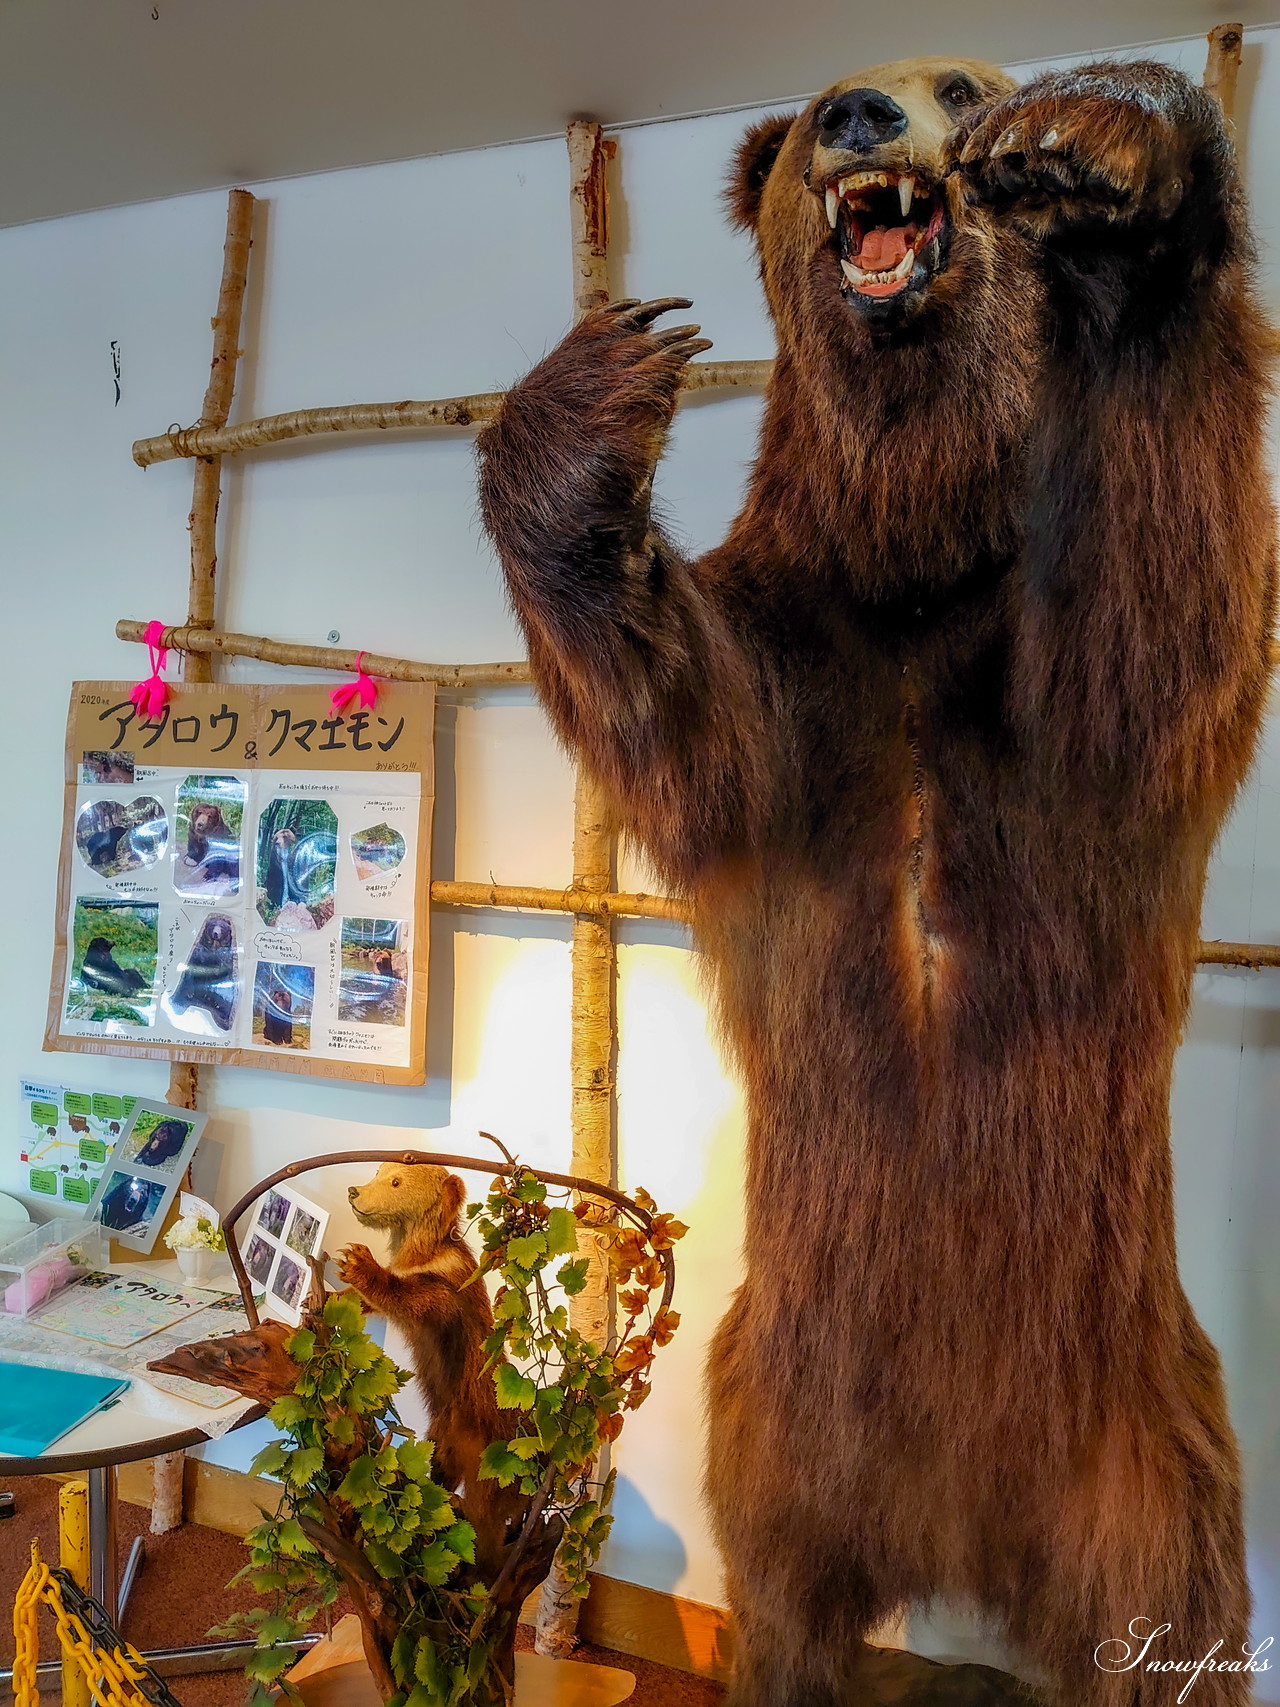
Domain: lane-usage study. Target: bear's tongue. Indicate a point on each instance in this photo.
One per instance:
(882, 248)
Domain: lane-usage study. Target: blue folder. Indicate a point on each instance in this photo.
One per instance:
(39, 1406)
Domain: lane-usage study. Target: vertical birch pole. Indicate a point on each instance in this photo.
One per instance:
(184, 1076)
(1223, 65)
(594, 967)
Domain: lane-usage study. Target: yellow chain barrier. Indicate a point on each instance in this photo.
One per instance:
(113, 1676)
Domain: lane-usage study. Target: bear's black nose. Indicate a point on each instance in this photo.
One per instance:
(353, 1191)
(859, 119)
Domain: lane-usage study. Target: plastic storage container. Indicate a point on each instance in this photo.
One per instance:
(45, 1258)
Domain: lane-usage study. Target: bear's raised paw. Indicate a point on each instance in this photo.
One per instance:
(1050, 157)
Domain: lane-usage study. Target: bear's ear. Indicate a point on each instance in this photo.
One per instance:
(453, 1194)
(752, 164)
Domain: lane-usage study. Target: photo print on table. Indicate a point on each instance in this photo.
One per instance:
(286, 1229)
(258, 1258)
(144, 1171)
(374, 982)
(107, 767)
(203, 1000)
(113, 962)
(209, 818)
(297, 857)
(283, 996)
(115, 836)
(376, 851)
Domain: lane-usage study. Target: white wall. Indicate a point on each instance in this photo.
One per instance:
(426, 279)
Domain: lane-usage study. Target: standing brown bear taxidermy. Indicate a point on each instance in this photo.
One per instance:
(433, 1295)
(938, 741)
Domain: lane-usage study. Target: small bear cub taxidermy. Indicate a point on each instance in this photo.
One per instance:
(424, 1291)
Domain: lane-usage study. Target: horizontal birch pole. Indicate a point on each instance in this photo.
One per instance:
(384, 417)
(339, 658)
(597, 904)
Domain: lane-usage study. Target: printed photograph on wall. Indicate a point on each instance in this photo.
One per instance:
(206, 850)
(115, 836)
(376, 851)
(283, 997)
(296, 864)
(203, 999)
(156, 1140)
(375, 969)
(113, 962)
(106, 767)
(129, 1204)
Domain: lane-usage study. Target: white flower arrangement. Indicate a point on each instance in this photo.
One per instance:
(194, 1233)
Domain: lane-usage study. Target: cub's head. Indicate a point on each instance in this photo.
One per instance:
(410, 1195)
(849, 200)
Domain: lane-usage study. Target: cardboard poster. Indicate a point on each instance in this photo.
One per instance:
(65, 1139)
(245, 879)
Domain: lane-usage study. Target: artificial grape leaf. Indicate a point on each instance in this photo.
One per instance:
(515, 1391)
(562, 1232)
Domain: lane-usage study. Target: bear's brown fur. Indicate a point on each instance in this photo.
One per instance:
(939, 740)
(431, 1293)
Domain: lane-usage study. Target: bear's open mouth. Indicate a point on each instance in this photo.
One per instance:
(888, 226)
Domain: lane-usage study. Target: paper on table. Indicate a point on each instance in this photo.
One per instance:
(24, 1342)
(120, 1309)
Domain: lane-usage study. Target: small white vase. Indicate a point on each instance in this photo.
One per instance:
(195, 1261)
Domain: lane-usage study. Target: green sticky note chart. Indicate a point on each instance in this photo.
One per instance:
(77, 1190)
(45, 1113)
(77, 1102)
(93, 1150)
(107, 1108)
(126, 1105)
(45, 1181)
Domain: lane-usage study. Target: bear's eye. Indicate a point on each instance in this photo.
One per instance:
(395, 1182)
(960, 93)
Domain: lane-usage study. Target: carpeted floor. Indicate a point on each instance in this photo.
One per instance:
(181, 1594)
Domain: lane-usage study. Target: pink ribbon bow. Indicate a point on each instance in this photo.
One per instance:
(150, 696)
(364, 686)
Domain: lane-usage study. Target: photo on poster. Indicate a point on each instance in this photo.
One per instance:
(129, 1204)
(208, 820)
(283, 997)
(297, 857)
(203, 999)
(106, 767)
(377, 851)
(258, 1258)
(157, 1141)
(115, 836)
(374, 982)
(113, 962)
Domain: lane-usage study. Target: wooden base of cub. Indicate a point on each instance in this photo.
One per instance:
(334, 1674)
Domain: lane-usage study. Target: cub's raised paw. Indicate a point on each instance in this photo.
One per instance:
(1056, 156)
(358, 1266)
